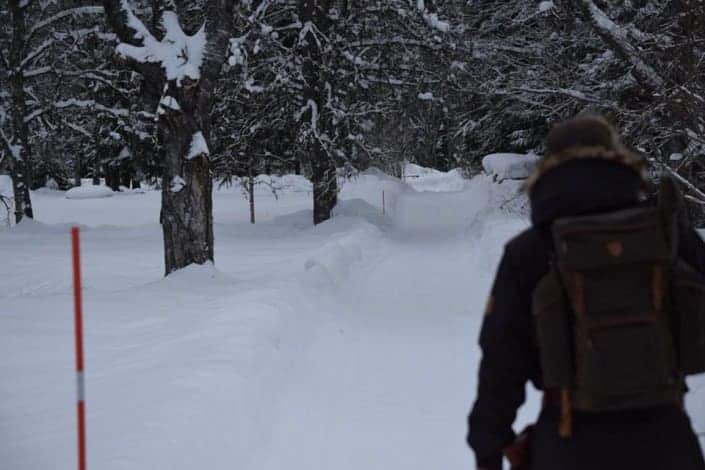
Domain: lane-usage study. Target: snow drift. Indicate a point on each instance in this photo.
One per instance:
(89, 192)
(504, 166)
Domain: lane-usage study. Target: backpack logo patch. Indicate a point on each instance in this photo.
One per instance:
(615, 248)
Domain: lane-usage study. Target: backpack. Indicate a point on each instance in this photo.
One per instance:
(620, 319)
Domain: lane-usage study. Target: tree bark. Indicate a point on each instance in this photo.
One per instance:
(187, 211)
(20, 168)
(325, 187)
(251, 191)
(323, 174)
(77, 170)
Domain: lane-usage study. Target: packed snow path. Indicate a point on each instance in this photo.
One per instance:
(350, 345)
(388, 378)
(390, 374)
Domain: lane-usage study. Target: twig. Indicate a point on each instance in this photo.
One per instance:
(687, 183)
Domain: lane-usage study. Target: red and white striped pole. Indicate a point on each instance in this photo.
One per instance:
(78, 321)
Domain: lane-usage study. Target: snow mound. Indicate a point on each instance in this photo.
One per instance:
(125, 191)
(192, 275)
(89, 192)
(451, 213)
(289, 223)
(379, 174)
(295, 183)
(266, 185)
(362, 209)
(503, 166)
(379, 190)
(428, 179)
(29, 226)
(335, 260)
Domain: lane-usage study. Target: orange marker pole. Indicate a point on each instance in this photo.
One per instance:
(78, 321)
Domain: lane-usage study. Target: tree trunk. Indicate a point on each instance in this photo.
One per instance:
(21, 168)
(325, 187)
(77, 170)
(187, 185)
(186, 214)
(323, 175)
(112, 177)
(251, 193)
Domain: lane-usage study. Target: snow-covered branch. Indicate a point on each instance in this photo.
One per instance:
(180, 55)
(33, 115)
(92, 105)
(575, 94)
(39, 71)
(77, 128)
(84, 10)
(618, 37)
(41, 49)
(686, 183)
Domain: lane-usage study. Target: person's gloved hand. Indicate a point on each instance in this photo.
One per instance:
(519, 452)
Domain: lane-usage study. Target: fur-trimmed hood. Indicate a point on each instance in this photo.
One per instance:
(582, 138)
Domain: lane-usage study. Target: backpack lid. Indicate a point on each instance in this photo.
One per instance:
(601, 241)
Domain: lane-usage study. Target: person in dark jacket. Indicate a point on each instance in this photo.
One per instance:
(586, 171)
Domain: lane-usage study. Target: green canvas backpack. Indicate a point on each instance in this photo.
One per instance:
(619, 318)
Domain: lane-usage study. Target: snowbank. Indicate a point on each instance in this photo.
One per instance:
(89, 192)
(504, 166)
(428, 179)
(450, 213)
(361, 209)
(267, 185)
(335, 260)
(376, 188)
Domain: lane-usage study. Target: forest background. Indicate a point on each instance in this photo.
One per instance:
(187, 94)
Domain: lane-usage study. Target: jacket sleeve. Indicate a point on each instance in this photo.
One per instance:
(505, 340)
(691, 248)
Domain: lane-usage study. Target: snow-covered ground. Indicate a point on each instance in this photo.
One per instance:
(344, 346)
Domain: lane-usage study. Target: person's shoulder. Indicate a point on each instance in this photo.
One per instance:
(527, 241)
(526, 255)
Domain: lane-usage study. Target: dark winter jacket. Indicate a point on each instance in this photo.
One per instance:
(654, 438)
